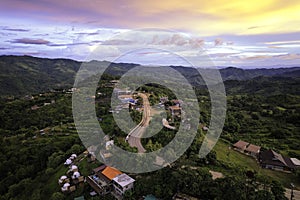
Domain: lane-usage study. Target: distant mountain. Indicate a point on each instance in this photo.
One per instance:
(263, 85)
(232, 73)
(21, 75)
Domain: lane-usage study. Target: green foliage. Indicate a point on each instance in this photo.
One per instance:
(277, 190)
(263, 111)
(58, 196)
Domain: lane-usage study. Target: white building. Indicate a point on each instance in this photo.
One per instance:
(122, 183)
(109, 144)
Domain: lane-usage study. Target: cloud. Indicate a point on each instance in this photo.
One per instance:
(118, 42)
(31, 41)
(218, 42)
(289, 56)
(67, 44)
(205, 18)
(284, 42)
(16, 29)
(151, 38)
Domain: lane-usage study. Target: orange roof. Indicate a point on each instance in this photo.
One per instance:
(111, 172)
(174, 107)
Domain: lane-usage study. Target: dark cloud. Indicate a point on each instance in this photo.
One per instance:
(41, 34)
(16, 29)
(94, 33)
(31, 41)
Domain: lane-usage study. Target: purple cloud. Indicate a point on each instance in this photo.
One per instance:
(30, 41)
(218, 41)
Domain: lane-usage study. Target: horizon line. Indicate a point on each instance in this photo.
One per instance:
(276, 66)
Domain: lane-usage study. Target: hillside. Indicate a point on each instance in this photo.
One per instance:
(22, 75)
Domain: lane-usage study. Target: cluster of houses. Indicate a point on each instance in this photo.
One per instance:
(107, 179)
(70, 160)
(268, 158)
(72, 179)
(103, 180)
(175, 110)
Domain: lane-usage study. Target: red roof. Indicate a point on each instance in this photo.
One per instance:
(111, 172)
(241, 144)
(253, 148)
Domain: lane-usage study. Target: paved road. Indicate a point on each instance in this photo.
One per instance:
(134, 137)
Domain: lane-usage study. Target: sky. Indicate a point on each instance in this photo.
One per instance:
(171, 32)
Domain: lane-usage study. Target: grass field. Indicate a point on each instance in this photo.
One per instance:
(231, 157)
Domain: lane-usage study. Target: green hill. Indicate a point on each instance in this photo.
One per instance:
(22, 75)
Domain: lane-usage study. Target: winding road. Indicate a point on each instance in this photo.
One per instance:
(134, 137)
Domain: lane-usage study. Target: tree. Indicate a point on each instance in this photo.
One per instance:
(263, 194)
(277, 190)
(76, 148)
(129, 195)
(57, 196)
(55, 159)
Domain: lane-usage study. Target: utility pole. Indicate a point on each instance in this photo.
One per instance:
(292, 191)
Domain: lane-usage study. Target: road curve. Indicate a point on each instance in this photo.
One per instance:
(134, 137)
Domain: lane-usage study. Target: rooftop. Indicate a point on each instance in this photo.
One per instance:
(99, 169)
(295, 161)
(274, 158)
(253, 148)
(123, 180)
(174, 107)
(111, 172)
(241, 144)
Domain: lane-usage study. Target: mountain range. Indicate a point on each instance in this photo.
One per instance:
(22, 75)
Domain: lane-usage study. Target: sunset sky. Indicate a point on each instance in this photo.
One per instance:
(233, 33)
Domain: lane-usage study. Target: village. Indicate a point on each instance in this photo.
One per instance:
(106, 180)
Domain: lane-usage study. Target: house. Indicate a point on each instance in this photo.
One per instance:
(163, 99)
(296, 162)
(101, 180)
(100, 186)
(109, 144)
(111, 172)
(175, 110)
(105, 179)
(122, 183)
(177, 102)
(205, 128)
(252, 150)
(99, 169)
(272, 160)
(240, 145)
(35, 107)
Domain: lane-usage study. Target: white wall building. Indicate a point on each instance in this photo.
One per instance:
(122, 183)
